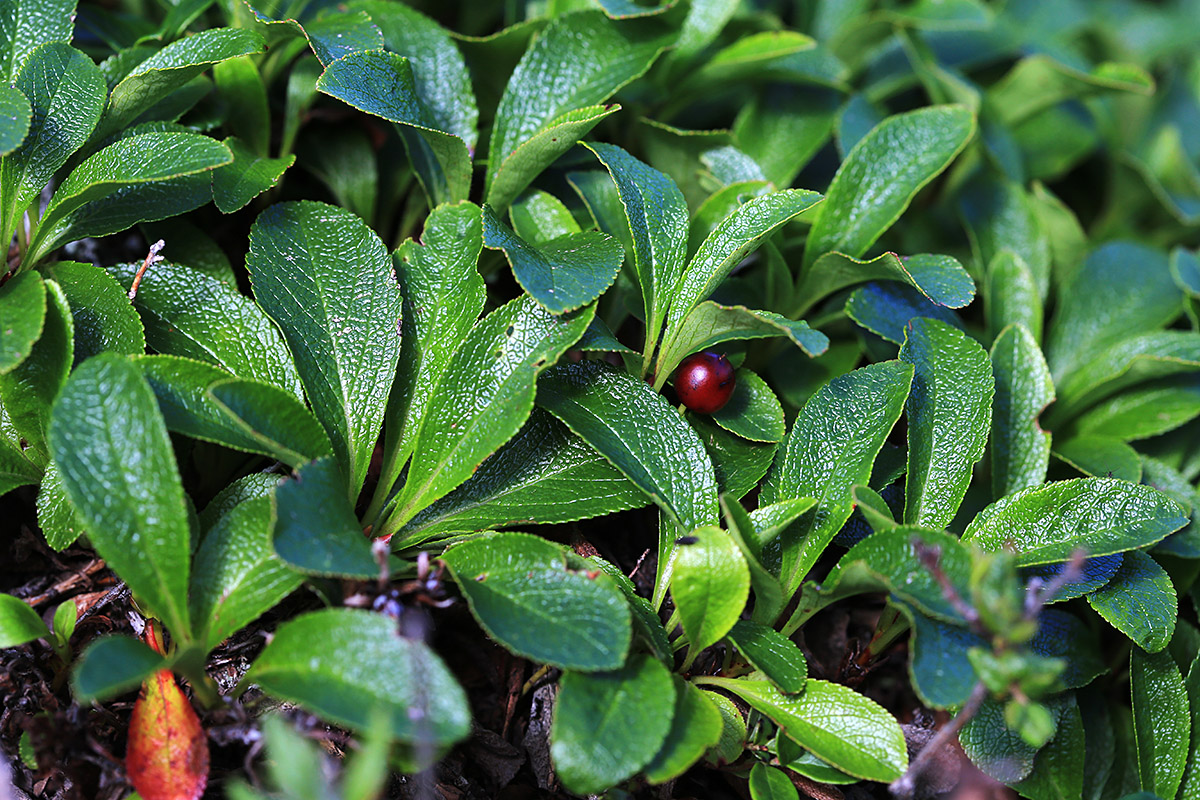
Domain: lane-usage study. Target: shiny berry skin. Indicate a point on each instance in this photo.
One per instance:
(704, 382)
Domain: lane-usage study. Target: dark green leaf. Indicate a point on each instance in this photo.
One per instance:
(769, 783)
(351, 665)
(1161, 721)
(771, 653)
(1059, 766)
(881, 175)
(545, 474)
(941, 279)
(1191, 774)
(886, 308)
(768, 594)
(733, 733)
(784, 128)
(753, 412)
(483, 398)
(1139, 601)
(315, 527)
(241, 86)
(1100, 456)
(326, 280)
(1098, 515)
(104, 319)
(609, 725)
(1020, 448)
(635, 429)
(1095, 573)
(696, 725)
(831, 448)
(834, 722)
(15, 116)
(187, 313)
(246, 177)
(117, 465)
(1039, 81)
(938, 666)
(1143, 411)
(1012, 296)
(738, 464)
(949, 411)
(23, 309)
(1007, 234)
(528, 597)
(56, 516)
(28, 389)
(563, 274)
(27, 24)
(19, 623)
(580, 60)
(113, 665)
(994, 747)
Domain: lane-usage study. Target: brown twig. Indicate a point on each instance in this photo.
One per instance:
(152, 257)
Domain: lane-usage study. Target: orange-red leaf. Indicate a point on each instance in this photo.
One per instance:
(167, 757)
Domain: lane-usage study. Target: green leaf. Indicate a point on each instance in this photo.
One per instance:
(28, 389)
(1125, 364)
(748, 56)
(938, 666)
(23, 307)
(1096, 572)
(205, 402)
(738, 234)
(608, 725)
(1020, 448)
(537, 217)
(315, 527)
(1120, 291)
(1161, 721)
(249, 487)
(236, 575)
(886, 308)
(646, 624)
(753, 412)
(831, 448)
(1099, 515)
(15, 116)
(187, 313)
(1039, 81)
(325, 279)
(949, 411)
(882, 174)
(1100, 456)
(84, 203)
(246, 177)
(939, 278)
(1012, 296)
(26, 25)
(696, 725)
(104, 320)
(733, 732)
(15, 469)
(579, 60)
(1139, 601)
(350, 665)
(710, 585)
(385, 85)
(835, 723)
(1058, 767)
(112, 665)
(241, 86)
(563, 274)
(635, 429)
(996, 749)
(1190, 775)
(738, 464)
(540, 150)
(443, 295)
(169, 69)
(1005, 227)
(19, 623)
(546, 474)
(1146, 410)
(784, 127)
(529, 597)
(655, 221)
(56, 516)
(111, 446)
(331, 36)
(768, 594)
(769, 783)
(709, 324)
(484, 397)
(771, 653)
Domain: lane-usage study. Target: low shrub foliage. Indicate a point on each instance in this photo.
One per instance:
(327, 319)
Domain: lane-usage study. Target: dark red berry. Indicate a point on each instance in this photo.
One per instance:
(704, 382)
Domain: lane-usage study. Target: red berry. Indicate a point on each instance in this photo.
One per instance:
(704, 382)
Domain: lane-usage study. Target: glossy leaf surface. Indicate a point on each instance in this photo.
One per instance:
(710, 585)
(1161, 721)
(1020, 448)
(1139, 601)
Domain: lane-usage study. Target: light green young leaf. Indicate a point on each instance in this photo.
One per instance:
(1100, 457)
(835, 723)
(710, 585)
(307, 663)
(770, 783)
(608, 725)
(1058, 768)
(738, 463)
(483, 398)
(112, 449)
(56, 516)
(1142, 411)
(529, 596)
(241, 85)
(537, 217)
(949, 412)
(187, 313)
(1161, 721)
(18, 622)
(882, 174)
(1020, 447)
(66, 94)
(1045, 524)
(831, 447)
(579, 60)
(325, 279)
